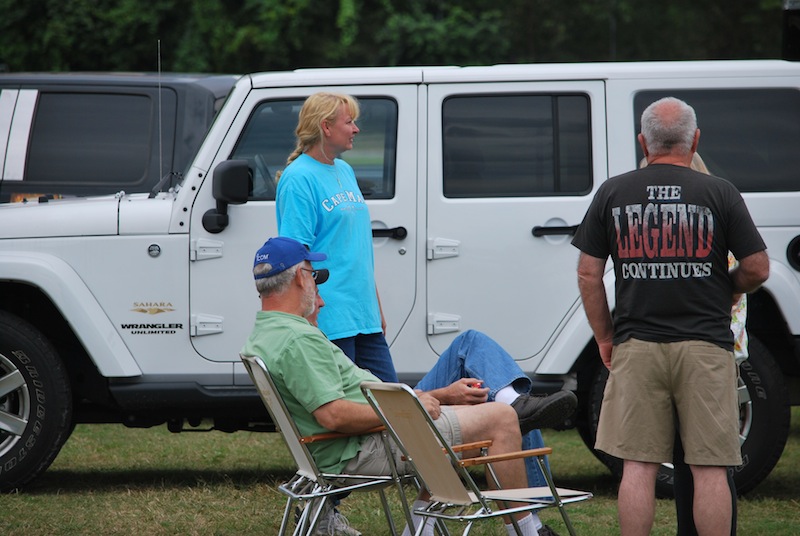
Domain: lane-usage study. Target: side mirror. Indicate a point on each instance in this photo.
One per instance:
(232, 185)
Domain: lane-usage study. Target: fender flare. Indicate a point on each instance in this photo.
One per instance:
(784, 287)
(575, 332)
(56, 279)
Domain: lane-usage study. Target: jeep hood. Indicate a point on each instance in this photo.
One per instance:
(93, 216)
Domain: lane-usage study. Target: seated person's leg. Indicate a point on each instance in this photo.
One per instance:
(475, 355)
(496, 422)
(534, 440)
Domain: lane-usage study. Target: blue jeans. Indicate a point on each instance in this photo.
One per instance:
(475, 355)
(370, 352)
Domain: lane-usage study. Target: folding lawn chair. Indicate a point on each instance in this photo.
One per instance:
(454, 493)
(309, 485)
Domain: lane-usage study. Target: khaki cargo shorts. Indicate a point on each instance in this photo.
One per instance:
(654, 387)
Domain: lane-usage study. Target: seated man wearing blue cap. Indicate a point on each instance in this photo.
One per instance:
(321, 386)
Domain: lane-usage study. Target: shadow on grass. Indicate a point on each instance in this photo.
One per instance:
(60, 482)
(600, 485)
(781, 484)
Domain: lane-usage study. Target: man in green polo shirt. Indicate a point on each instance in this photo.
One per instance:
(321, 386)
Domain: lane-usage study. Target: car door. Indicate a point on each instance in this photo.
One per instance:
(511, 178)
(223, 296)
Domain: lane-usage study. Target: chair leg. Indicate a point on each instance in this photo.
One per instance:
(556, 497)
(301, 520)
(398, 483)
(467, 529)
(287, 512)
(317, 515)
(516, 525)
(309, 518)
(441, 528)
(492, 476)
(387, 512)
(404, 501)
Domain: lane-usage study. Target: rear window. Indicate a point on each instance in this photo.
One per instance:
(90, 139)
(516, 145)
(747, 136)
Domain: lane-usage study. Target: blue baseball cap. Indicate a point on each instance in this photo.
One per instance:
(282, 253)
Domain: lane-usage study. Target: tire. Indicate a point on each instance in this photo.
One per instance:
(765, 416)
(35, 403)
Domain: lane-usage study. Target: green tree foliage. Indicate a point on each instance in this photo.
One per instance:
(626, 30)
(82, 34)
(429, 32)
(257, 35)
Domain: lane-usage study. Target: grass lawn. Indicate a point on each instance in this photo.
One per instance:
(112, 480)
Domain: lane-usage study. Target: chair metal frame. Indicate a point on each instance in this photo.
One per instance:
(309, 485)
(454, 493)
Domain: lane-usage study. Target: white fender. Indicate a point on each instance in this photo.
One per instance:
(77, 304)
(782, 285)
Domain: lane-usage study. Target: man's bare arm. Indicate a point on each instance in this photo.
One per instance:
(752, 271)
(349, 417)
(595, 303)
(346, 416)
(462, 392)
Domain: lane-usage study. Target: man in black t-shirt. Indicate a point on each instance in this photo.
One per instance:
(668, 230)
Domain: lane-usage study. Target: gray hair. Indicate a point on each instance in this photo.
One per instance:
(668, 124)
(274, 284)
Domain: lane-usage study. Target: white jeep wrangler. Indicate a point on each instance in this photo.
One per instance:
(132, 308)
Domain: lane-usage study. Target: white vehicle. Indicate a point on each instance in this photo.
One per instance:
(132, 308)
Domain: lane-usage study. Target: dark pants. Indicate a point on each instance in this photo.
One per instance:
(684, 493)
(369, 352)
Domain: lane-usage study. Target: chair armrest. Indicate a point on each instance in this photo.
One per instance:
(481, 460)
(338, 435)
(486, 443)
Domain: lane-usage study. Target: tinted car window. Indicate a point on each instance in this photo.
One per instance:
(516, 145)
(748, 136)
(268, 139)
(90, 138)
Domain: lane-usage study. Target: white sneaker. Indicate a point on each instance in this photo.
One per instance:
(332, 523)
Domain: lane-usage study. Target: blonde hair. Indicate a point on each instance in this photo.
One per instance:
(319, 107)
(698, 164)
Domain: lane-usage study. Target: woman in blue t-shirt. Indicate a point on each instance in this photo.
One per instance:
(319, 204)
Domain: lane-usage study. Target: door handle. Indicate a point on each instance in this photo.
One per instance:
(397, 233)
(541, 230)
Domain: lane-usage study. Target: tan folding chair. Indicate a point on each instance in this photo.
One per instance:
(454, 494)
(309, 485)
